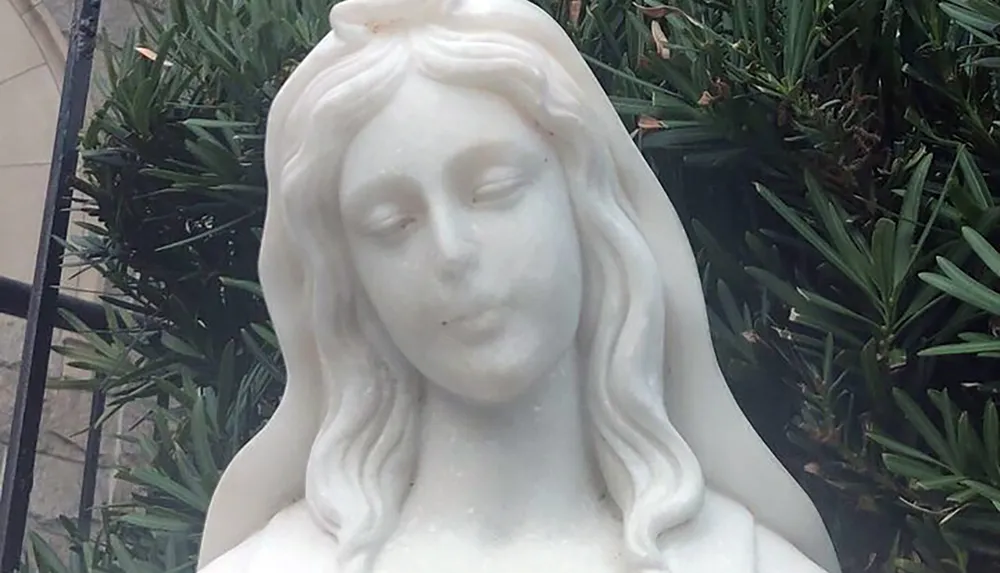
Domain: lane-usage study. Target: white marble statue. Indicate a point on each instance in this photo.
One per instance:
(497, 347)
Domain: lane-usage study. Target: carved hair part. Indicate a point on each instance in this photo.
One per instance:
(361, 462)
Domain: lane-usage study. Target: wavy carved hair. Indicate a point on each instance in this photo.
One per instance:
(363, 458)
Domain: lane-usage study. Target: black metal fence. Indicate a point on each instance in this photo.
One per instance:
(39, 302)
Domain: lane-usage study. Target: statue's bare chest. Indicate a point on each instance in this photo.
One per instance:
(720, 540)
(593, 552)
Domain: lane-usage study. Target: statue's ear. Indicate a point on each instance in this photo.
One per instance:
(268, 473)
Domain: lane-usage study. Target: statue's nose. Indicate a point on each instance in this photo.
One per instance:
(456, 246)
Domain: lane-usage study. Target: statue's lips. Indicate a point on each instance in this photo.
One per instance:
(480, 318)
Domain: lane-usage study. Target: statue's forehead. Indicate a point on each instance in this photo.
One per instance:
(426, 124)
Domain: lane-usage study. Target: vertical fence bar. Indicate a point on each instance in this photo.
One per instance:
(91, 465)
(20, 463)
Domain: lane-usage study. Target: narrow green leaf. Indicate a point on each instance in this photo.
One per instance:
(266, 334)
(741, 18)
(908, 216)
(849, 244)
(157, 480)
(874, 374)
(251, 287)
(823, 321)
(195, 483)
(783, 290)
(263, 359)
(633, 106)
(991, 62)
(218, 123)
(809, 234)
(991, 440)
(910, 468)
(968, 17)
(203, 469)
(179, 346)
(949, 421)
(924, 427)
(672, 138)
(971, 446)
(963, 287)
(883, 260)
(761, 20)
(158, 522)
(45, 556)
(942, 483)
(983, 249)
(834, 306)
(729, 306)
(974, 179)
(122, 555)
(989, 492)
(901, 448)
(962, 348)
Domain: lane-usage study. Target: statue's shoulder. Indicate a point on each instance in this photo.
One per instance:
(775, 554)
(291, 539)
(726, 537)
(721, 537)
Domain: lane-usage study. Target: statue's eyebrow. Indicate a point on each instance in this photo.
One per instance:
(485, 153)
(465, 167)
(383, 188)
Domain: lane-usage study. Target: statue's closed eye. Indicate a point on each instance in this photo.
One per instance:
(500, 186)
(387, 219)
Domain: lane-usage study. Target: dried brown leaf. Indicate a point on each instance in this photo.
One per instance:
(646, 122)
(660, 39)
(575, 8)
(721, 88)
(151, 55)
(655, 12)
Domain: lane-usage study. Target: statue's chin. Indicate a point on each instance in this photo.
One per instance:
(497, 371)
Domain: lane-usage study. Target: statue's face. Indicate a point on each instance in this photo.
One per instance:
(458, 220)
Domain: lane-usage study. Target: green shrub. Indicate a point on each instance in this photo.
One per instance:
(867, 129)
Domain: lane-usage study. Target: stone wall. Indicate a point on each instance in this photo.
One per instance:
(117, 16)
(59, 461)
(29, 94)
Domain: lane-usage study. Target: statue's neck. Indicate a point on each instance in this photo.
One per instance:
(505, 469)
